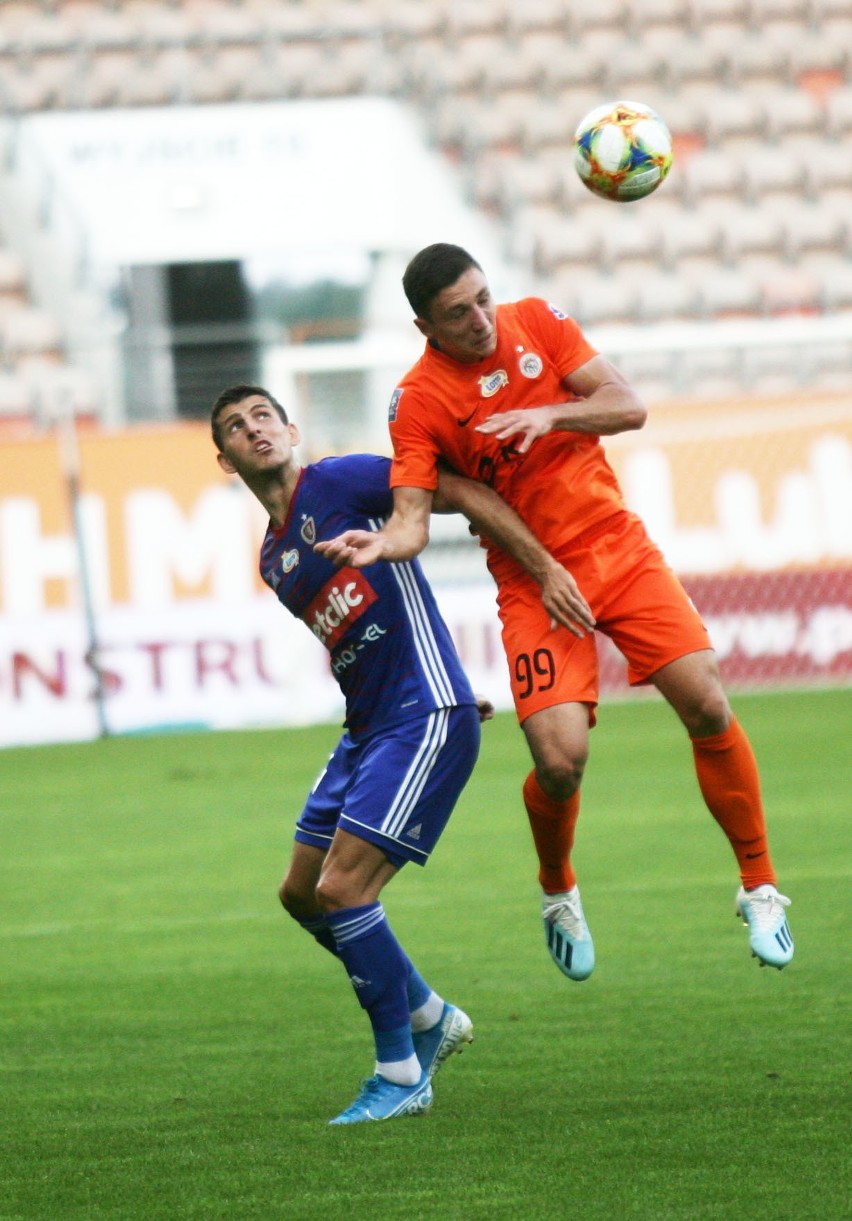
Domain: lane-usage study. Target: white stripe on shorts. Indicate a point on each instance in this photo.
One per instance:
(411, 789)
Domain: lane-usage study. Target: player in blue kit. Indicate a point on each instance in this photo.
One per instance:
(412, 725)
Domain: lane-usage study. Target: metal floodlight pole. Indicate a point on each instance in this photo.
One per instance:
(69, 450)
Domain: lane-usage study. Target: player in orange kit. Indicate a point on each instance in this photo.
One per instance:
(515, 396)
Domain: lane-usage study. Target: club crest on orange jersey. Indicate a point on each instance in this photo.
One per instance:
(493, 382)
(531, 365)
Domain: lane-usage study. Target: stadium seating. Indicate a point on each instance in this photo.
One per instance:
(758, 94)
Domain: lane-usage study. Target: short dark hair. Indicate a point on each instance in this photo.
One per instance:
(435, 268)
(236, 394)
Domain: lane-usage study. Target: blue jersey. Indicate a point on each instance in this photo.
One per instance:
(390, 650)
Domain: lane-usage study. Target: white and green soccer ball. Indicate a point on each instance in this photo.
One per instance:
(622, 150)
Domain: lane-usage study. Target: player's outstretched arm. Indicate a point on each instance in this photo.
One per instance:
(490, 515)
(403, 536)
(606, 404)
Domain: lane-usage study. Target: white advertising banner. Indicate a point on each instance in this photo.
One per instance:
(753, 506)
(197, 664)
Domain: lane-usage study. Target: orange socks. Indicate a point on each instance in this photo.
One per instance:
(552, 824)
(730, 784)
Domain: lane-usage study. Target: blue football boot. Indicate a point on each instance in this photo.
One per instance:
(382, 1099)
(453, 1030)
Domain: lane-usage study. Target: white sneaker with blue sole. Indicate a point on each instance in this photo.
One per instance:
(763, 910)
(451, 1033)
(383, 1099)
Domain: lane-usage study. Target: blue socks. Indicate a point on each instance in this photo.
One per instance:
(380, 973)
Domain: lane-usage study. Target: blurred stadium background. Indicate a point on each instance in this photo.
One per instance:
(198, 193)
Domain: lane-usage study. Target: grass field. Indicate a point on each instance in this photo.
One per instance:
(172, 1046)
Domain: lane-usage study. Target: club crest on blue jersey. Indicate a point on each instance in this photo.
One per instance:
(394, 404)
(309, 531)
(493, 382)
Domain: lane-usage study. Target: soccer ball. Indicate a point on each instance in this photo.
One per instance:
(622, 150)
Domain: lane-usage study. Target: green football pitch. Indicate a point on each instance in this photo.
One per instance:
(172, 1045)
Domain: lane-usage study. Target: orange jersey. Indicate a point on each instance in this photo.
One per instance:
(563, 485)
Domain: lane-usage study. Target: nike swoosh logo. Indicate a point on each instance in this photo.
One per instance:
(752, 856)
(467, 419)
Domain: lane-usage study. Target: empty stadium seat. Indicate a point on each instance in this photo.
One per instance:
(560, 240)
(729, 115)
(766, 171)
(808, 227)
(547, 16)
(629, 238)
(97, 24)
(649, 16)
(679, 57)
(711, 174)
(835, 288)
(605, 300)
(721, 292)
(838, 113)
(38, 82)
(763, 11)
(763, 54)
(665, 296)
(792, 112)
(786, 289)
(749, 230)
(690, 235)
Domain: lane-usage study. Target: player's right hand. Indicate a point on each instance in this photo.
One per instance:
(353, 549)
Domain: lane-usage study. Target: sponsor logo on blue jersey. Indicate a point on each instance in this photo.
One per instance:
(338, 605)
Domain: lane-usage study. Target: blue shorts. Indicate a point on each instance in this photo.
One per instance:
(396, 789)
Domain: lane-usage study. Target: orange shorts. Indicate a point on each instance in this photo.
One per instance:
(636, 599)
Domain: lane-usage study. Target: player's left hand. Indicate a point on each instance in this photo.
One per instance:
(353, 548)
(531, 422)
(563, 601)
(485, 708)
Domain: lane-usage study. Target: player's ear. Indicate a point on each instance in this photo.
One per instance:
(295, 435)
(226, 464)
(424, 327)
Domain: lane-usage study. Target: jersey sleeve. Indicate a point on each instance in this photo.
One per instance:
(567, 346)
(415, 449)
(360, 480)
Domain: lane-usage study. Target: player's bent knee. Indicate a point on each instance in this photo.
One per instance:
(335, 890)
(709, 715)
(296, 902)
(560, 777)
